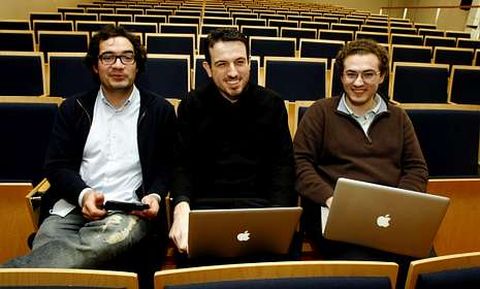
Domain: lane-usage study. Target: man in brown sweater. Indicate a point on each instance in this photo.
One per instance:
(357, 135)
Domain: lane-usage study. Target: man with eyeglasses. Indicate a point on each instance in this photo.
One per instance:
(111, 144)
(235, 149)
(358, 135)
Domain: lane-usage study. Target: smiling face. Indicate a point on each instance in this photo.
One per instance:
(116, 78)
(229, 67)
(361, 90)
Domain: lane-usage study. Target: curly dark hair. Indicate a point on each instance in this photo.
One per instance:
(110, 31)
(363, 46)
(224, 34)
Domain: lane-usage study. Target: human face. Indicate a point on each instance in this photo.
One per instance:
(230, 68)
(360, 91)
(116, 78)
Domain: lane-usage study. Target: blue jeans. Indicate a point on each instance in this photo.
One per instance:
(75, 242)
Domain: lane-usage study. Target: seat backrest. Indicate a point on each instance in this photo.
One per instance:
(92, 26)
(272, 46)
(179, 28)
(298, 33)
(183, 19)
(44, 16)
(376, 28)
(80, 17)
(314, 25)
(453, 55)
(166, 74)
(420, 82)
(51, 25)
(458, 34)
(100, 10)
(68, 74)
(377, 36)
(115, 17)
(468, 43)
(450, 271)
(430, 32)
(25, 131)
(201, 76)
(344, 26)
(250, 21)
(406, 39)
(335, 35)
(320, 48)
(296, 78)
(442, 41)
(410, 53)
(17, 40)
(217, 20)
(19, 69)
(67, 41)
(14, 25)
(287, 275)
(66, 278)
(171, 43)
(448, 150)
(156, 19)
(207, 28)
(463, 87)
(259, 31)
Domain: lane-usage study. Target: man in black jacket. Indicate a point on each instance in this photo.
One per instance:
(235, 148)
(114, 143)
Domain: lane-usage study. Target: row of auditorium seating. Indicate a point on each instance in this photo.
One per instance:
(186, 43)
(449, 151)
(251, 27)
(452, 271)
(293, 78)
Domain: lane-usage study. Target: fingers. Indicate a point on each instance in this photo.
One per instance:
(153, 209)
(92, 208)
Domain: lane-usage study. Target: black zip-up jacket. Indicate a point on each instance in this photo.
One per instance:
(156, 134)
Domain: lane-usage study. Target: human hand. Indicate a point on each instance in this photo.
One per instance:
(328, 202)
(179, 231)
(92, 205)
(154, 206)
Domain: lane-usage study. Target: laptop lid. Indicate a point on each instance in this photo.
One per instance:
(242, 232)
(386, 218)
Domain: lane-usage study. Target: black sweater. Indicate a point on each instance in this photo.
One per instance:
(234, 154)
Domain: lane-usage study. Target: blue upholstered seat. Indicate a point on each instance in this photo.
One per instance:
(467, 278)
(449, 140)
(25, 131)
(295, 283)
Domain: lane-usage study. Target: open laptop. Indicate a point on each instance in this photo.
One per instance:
(386, 218)
(242, 232)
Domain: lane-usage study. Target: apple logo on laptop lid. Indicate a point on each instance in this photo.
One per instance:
(243, 236)
(384, 221)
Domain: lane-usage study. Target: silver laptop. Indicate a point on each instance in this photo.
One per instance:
(242, 232)
(386, 218)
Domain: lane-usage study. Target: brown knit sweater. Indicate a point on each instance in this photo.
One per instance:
(330, 144)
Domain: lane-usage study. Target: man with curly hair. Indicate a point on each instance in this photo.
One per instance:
(358, 135)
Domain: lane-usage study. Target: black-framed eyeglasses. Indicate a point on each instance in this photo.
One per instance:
(108, 58)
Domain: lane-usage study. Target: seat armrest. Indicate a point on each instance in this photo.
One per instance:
(34, 200)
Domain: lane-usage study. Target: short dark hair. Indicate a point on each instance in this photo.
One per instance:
(110, 31)
(224, 34)
(363, 46)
